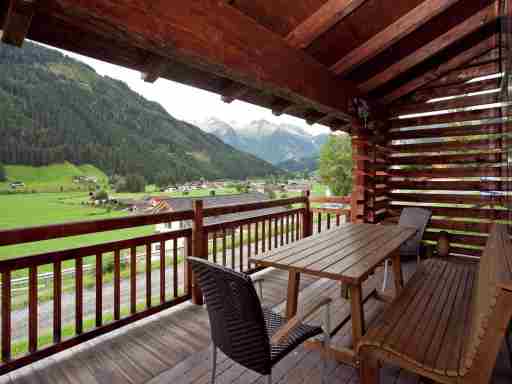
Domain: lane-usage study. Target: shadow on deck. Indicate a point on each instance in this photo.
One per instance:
(172, 347)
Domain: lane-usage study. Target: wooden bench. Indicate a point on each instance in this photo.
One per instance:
(449, 322)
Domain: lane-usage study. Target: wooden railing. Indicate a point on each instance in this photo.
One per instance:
(324, 218)
(131, 281)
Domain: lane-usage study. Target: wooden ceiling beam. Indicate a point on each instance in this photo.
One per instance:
(219, 39)
(155, 68)
(17, 21)
(332, 12)
(463, 29)
(455, 62)
(329, 14)
(391, 34)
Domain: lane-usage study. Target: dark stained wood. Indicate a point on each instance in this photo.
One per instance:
(462, 75)
(117, 284)
(30, 234)
(32, 309)
(17, 21)
(6, 316)
(443, 68)
(293, 294)
(319, 22)
(148, 276)
(490, 156)
(99, 289)
(394, 32)
(470, 25)
(79, 295)
(487, 129)
(57, 302)
(175, 268)
(239, 53)
(455, 185)
(237, 208)
(241, 250)
(440, 173)
(198, 244)
(133, 280)
(162, 272)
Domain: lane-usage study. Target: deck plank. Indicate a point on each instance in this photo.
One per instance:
(173, 347)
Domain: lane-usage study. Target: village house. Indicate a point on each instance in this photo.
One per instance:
(176, 204)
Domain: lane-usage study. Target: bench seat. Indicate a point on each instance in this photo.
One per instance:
(449, 322)
(426, 325)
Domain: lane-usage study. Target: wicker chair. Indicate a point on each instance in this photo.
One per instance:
(410, 217)
(248, 333)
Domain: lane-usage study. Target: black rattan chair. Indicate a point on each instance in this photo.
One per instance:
(410, 217)
(240, 326)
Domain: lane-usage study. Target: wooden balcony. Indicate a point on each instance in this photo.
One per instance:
(172, 347)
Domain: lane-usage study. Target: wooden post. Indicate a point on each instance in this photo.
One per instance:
(198, 249)
(307, 225)
(360, 191)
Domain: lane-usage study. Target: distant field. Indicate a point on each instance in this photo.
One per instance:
(51, 178)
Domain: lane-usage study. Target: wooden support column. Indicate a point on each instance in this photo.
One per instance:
(198, 247)
(307, 226)
(360, 179)
(17, 22)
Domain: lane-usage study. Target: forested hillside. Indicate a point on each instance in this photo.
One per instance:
(55, 109)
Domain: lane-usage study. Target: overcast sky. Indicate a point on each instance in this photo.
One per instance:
(188, 103)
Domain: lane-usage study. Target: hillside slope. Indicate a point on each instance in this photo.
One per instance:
(55, 109)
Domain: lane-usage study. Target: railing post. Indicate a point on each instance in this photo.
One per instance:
(307, 225)
(198, 249)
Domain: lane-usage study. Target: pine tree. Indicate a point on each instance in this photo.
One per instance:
(3, 175)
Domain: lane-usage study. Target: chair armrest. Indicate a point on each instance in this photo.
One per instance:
(258, 281)
(297, 319)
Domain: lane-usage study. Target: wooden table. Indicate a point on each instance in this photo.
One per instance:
(349, 254)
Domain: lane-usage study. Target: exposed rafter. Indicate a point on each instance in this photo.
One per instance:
(218, 38)
(329, 14)
(332, 12)
(394, 32)
(17, 21)
(463, 29)
(455, 62)
(155, 68)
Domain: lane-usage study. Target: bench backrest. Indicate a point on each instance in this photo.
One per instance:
(494, 272)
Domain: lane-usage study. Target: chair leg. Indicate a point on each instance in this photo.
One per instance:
(370, 370)
(326, 342)
(508, 342)
(214, 364)
(386, 270)
(269, 379)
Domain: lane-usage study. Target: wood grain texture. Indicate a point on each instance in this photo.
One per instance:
(392, 33)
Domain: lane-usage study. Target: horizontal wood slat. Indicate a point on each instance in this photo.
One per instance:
(445, 198)
(448, 159)
(29, 234)
(459, 144)
(461, 75)
(460, 102)
(491, 214)
(238, 208)
(483, 171)
(451, 131)
(448, 118)
(448, 185)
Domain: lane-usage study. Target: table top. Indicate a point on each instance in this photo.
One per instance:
(348, 253)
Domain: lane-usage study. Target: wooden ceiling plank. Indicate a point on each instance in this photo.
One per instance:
(332, 12)
(470, 25)
(454, 63)
(219, 39)
(17, 21)
(394, 32)
(156, 68)
(328, 15)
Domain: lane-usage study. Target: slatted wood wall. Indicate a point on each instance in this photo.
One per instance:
(453, 162)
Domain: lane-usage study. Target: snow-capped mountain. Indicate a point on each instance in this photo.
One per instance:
(275, 143)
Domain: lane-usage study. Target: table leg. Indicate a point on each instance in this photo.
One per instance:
(293, 294)
(356, 303)
(397, 272)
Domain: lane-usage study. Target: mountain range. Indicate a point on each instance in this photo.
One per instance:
(55, 109)
(275, 143)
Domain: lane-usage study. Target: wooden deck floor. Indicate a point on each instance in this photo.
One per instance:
(172, 347)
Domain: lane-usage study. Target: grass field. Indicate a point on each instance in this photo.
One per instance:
(52, 178)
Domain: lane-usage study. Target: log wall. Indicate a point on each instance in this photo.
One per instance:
(448, 145)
